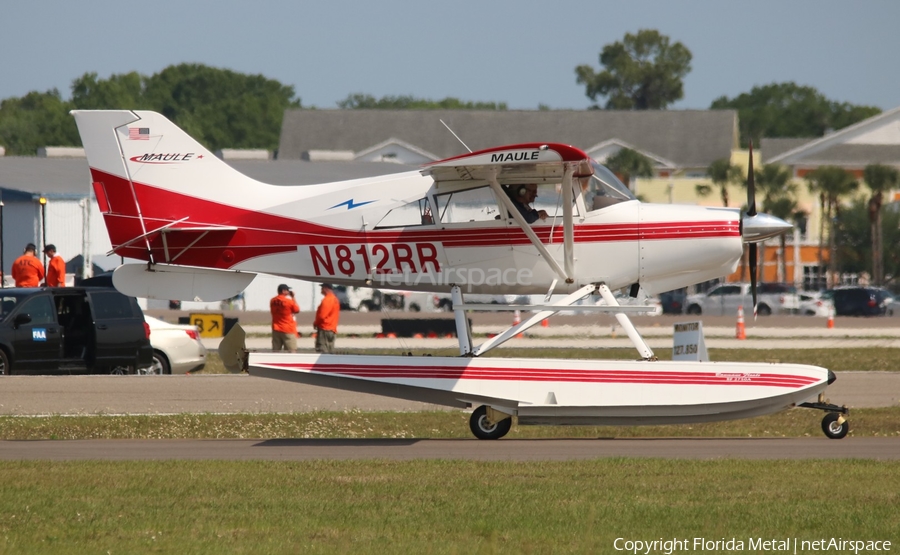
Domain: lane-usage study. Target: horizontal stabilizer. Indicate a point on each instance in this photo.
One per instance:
(186, 283)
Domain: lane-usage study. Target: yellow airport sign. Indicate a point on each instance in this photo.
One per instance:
(210, 325)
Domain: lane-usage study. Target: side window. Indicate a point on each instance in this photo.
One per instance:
(549, 199)
(110, 305)
(471, 205)
(413, 213)
(7, 304)
(40, 309)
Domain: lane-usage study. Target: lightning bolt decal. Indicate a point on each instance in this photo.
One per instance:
(351, 205)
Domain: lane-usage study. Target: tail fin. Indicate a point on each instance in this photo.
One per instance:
(151, 177)
(129, 148)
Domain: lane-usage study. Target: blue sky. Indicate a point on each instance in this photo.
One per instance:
(521, 52)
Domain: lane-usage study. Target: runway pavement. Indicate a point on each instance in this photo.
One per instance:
(457, 449)
(93, 395)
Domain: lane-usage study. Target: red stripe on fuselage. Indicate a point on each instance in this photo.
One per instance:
(260, 233)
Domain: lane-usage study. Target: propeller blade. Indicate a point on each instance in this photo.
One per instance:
(751, 186)
(752, 255)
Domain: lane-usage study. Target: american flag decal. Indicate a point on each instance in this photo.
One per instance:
(139, 133)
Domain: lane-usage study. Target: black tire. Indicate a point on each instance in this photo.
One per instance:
(446, 305)
(694, 309)
(160, 366)
(478, 423)
(832, 429)
(5, 366)
(764, 310)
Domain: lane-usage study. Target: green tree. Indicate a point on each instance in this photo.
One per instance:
(36, 120)
(880, 179)
(722, 173)
(119, 91)
(629, 164)
(832, 184)
(790, 110)
(359, 101)
(854, 239)
(219, 107)
(643, 72)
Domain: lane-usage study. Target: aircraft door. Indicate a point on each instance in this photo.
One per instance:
(37, 342)
(474, 237)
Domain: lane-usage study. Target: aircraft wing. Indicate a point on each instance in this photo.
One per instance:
(514, 163)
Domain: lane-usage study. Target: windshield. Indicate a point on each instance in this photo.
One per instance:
(604, 189)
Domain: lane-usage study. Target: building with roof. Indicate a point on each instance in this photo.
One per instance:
(875, 140)
(685, 140)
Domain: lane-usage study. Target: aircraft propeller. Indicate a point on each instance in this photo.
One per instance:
(757, 227)
(751, 213)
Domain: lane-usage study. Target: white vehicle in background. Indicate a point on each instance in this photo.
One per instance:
(814, 304)
(367, 299)
(893, 309)
(176, 348)
(724, 300)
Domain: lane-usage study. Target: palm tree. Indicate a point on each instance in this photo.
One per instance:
(880, 179)
(831, 183)
(784, 207)
(778, 195)
(628, 164)
(722, 173)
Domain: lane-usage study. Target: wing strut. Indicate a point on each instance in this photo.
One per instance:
(531, 320)
(625, 322)
(532, 236)
(568, 223)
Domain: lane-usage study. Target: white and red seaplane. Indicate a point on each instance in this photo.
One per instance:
(203, 230)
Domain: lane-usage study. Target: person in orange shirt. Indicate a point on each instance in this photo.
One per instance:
(56, 268)
(327, 320)
(27, 270)
(284, 327)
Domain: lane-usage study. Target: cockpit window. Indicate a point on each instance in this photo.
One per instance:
(410, 214)
(603, 189)
(548, 197)
(471, 205)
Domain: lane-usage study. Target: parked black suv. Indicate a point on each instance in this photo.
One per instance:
(71, 330)
(859, 301)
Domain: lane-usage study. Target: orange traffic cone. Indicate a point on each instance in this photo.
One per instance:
(741, 331)
(517, 319)
(831, 319)
(545, 323)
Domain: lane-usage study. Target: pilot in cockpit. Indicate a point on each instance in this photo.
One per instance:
(523, 196)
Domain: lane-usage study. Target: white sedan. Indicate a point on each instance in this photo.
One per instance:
(814, 304)
(176, 348)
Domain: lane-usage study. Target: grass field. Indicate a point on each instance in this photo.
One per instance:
(450, 506)
(883, 422)
(436, 506)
